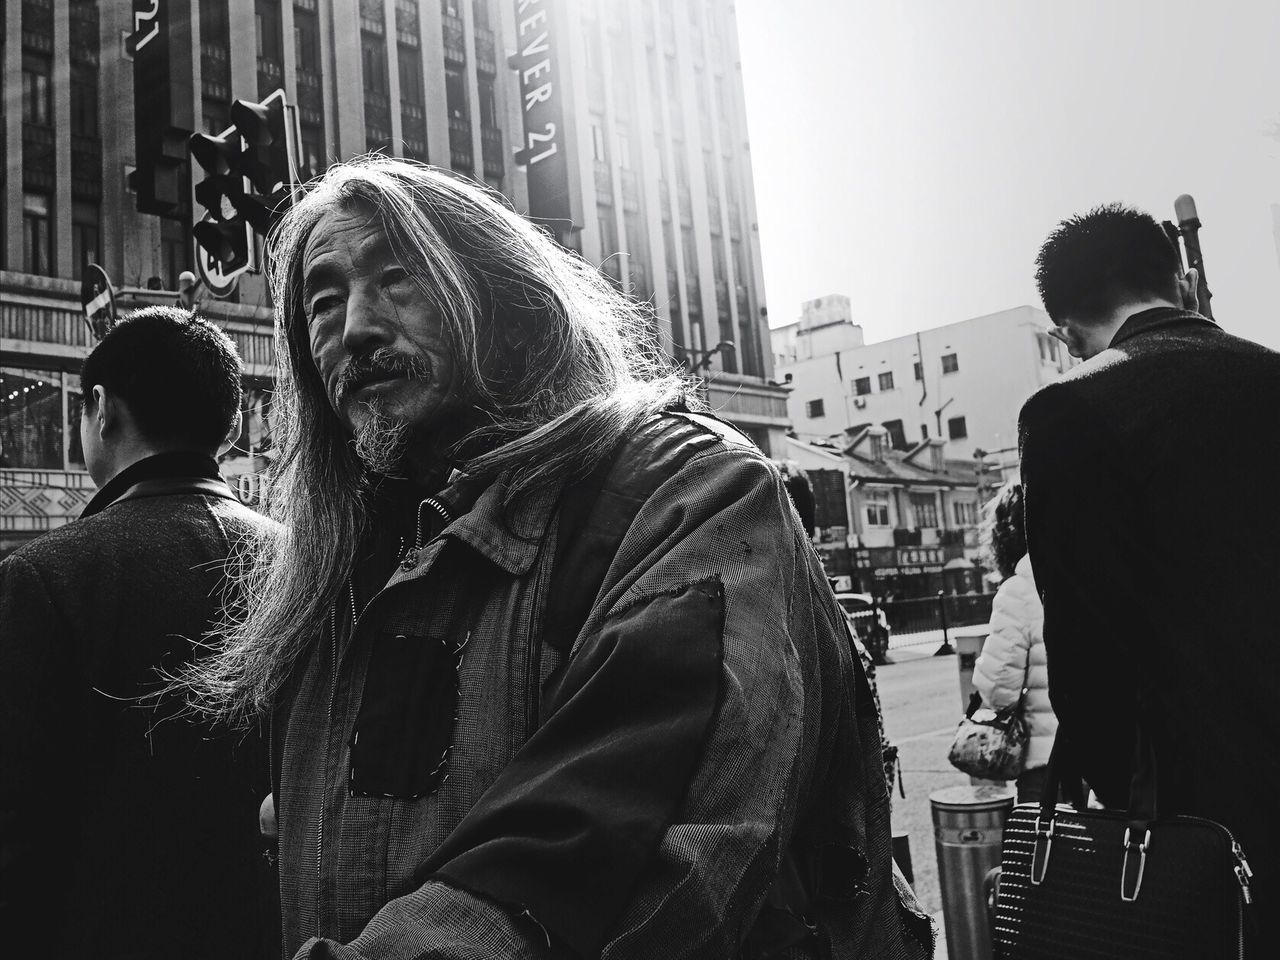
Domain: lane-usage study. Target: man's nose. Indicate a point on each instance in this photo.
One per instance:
(369, 323)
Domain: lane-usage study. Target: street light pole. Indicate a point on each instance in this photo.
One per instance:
(1189, 225)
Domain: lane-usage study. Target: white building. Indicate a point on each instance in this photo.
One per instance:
(964, 382)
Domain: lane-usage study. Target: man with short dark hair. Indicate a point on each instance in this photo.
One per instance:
(126, 829)
(1152, 524)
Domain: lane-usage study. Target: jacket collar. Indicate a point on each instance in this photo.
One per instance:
(510, 538)
(1157, 318)
(176, 464)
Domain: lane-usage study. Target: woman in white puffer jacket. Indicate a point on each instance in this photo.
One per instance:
(1013, 656)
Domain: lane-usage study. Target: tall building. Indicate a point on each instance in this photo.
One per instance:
(962, 383)
(618, 123)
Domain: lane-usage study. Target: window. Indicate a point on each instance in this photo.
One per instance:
(488, 102)
(84, 236)
(374, 54)
(814, 409)
(37, 236)
(876, 508)
(949, 363)
(918, 369)
(597, 143)
(410, 67)
(956, 429)
(306, 40)
(84, 101)
(966, 512)
(624, 151)
(455, 94)
(897, 433)
(31, 424)
(925, 507)
(886, 381)
(924, 431)
(37, 105)
(862, 386)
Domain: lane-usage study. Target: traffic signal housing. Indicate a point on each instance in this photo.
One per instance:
(249, 182)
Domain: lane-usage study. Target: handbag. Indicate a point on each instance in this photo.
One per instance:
(1090, 884)
(992, 745)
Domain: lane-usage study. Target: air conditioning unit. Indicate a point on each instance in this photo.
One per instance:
(860, 402)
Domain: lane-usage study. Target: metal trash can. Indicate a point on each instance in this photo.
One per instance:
(968, 823)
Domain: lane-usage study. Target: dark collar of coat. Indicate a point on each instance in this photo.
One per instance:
(162, 466)
(1157, 318)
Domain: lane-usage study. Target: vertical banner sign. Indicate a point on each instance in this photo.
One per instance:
(545, 153)
(148, 44)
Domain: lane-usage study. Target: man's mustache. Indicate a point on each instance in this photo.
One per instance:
(382, 364)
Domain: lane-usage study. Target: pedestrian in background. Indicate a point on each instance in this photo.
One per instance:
(126, 828)
(1013, 668)
(1154, 531)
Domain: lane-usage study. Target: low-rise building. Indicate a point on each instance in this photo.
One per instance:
(962, 383)
(910, 518)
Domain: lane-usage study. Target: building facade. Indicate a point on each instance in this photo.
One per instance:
(618, 123)
(908, 524)
(962, 383)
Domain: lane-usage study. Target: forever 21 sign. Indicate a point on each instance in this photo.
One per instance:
(544, 152)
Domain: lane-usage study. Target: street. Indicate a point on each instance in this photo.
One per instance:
(920, 695)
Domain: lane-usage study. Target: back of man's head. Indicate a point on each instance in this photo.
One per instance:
(1095, 263)
(179, 376)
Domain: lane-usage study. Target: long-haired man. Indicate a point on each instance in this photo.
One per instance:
(552, 668)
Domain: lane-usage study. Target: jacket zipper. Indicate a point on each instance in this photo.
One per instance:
(410, 558)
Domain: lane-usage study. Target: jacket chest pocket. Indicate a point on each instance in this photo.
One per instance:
(401, 739)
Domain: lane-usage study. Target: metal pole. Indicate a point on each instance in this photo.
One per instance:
(946, 649)
(1189, 225)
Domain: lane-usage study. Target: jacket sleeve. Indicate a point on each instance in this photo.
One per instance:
(32, 655)
(648, 814)
(1001, 671)
(1086, 554)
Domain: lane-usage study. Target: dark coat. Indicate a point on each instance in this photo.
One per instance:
(124, 829)
(1153, 523)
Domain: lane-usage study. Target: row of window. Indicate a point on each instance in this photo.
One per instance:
(957, 427)
(924, 507)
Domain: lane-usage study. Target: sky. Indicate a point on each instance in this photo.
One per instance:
(913, 154)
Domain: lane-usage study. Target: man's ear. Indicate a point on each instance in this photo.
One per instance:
(1189, 289)
(106, 412)
(233, 434)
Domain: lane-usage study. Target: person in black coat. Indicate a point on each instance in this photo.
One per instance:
(1153, 526)
(126, 828)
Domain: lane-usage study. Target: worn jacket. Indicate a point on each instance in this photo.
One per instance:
(690, 766)
(126, 830)
(1013, 659)
(1149, 473)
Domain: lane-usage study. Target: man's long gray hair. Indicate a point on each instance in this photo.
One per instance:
(558, 365)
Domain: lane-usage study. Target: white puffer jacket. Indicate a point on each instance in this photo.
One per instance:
(1013, 657)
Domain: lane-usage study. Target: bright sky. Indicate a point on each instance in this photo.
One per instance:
(913, 154)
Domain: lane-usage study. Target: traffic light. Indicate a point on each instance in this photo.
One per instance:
(249, 182)
(157, 179)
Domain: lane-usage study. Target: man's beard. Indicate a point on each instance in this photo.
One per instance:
(381, 441)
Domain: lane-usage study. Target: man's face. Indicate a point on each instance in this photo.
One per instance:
(377, 343)
(1069, 333)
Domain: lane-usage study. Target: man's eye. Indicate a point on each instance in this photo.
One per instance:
(394, 275)
(321, 306)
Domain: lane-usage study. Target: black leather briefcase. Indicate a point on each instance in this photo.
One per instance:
(1082, 884)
